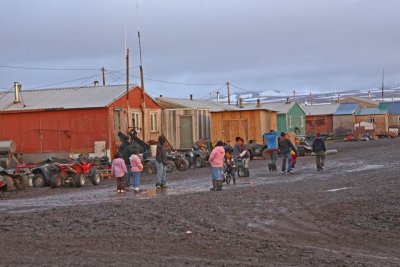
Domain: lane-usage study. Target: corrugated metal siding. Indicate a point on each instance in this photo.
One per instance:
(319, 124)
(347, 109)
(343, 125)
(55, 131)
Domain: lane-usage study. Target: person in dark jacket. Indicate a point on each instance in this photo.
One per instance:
(285, 147)
(126, 151)
(318, 147)
(161, 162)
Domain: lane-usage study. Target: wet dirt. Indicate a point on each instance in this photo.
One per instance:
(346, 215)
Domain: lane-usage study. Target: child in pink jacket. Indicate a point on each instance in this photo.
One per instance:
(216, 160)
(136, 168)
(118, 169)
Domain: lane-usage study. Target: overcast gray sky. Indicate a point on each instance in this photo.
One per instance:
(257, 45)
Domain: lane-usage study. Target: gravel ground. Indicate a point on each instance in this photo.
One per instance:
(347, 215)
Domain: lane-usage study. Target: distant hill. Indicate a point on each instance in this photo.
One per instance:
(392, 93)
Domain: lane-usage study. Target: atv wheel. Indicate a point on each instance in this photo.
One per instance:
(55, 181)
(38, 180)
(10, 183)
(266, 154)
(182, 165)
(95, 179)
(151, 167)
(170, 166)
(79, 180)
(200, 162)
(22, 182)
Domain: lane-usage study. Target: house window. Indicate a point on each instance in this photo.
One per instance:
(153, 121)
(290, 121)
(372, 120)
(136, 121)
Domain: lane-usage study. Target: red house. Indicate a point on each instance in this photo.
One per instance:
(319, 118)
(71, 120)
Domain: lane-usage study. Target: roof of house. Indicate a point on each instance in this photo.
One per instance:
(347, 109)
(353, 99)
(316, 110)
(392, 107)
(371, 111)
(196, 104)
(279, 107)
(63, 98)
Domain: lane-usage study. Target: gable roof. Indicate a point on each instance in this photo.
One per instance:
(63, 98)
(280, 107)
(316, 110)
(195, 104)
(392, 107)
(347, 109)
(371, 111)
(354, 99)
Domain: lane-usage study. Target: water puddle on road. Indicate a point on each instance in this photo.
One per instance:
(337, 189)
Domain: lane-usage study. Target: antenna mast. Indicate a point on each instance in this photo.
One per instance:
(383, 82)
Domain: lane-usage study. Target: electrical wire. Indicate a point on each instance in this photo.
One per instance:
(74, 80)
(52, 69)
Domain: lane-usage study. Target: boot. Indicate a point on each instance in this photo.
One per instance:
(214, 185)
(219, 185)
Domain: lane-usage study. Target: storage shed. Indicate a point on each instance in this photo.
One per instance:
(248, 122)
(71, 120)
(319, 118)
(344, 118)
(186, 121)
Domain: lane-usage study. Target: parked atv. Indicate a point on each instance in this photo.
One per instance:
(17, 178)
(75, 174)
(42, 173)
(178, 160)
(257, 150)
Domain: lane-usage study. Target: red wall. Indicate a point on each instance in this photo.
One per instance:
(135, 100)
(319, 124)
(55, 131)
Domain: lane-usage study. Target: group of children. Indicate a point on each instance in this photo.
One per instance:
(124, 174)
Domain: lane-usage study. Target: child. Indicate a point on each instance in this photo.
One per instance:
(216, 160)
(229, 165)
(118, 169)
(136, 168)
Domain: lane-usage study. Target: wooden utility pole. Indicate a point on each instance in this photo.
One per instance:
(127, 88)
(142, 92)
(294, 95)
(383, 82)
(228, 90)
(310, 98)
(103, 72)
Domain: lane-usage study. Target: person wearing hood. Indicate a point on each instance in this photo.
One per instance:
(216, 160)
(319, 149)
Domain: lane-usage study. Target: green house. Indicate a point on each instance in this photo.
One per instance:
(290, 116)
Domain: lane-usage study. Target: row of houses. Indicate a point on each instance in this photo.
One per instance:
(88, 119)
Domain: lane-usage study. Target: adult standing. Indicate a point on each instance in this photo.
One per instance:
(216, 160)
(285, 147)
(161, 162)
(318, 147)
(125, 150)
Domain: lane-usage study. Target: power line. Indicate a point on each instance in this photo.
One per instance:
(74, 80)
(52, 69)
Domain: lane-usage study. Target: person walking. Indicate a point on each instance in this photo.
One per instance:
(271, 139)
(119, 170)
(161, 162)
(136, 168)
(285, 147)
(216, 160)
(318, 147)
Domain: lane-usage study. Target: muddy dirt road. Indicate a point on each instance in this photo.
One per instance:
(348, 215)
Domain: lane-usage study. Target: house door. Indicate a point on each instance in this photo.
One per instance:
(186, 132)
(117, 123)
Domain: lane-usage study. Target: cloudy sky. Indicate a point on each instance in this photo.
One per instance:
(196, 46)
